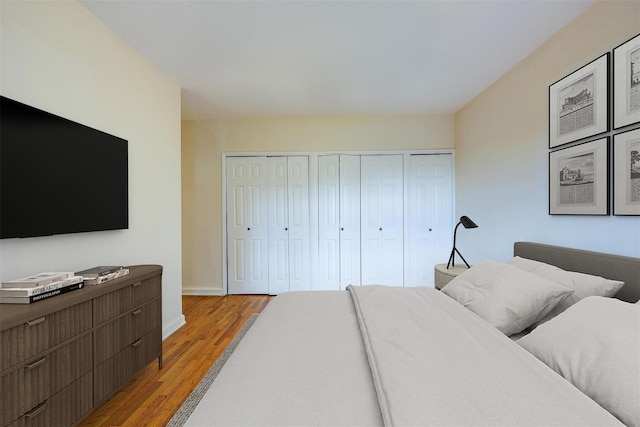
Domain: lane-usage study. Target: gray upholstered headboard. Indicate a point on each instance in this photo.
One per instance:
(616, 267)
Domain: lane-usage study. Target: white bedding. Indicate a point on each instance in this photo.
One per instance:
(423, 360)
(301, 364)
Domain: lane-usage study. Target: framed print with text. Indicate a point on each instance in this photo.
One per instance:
(578, 103)
(626, 83)
(579, 179)
(626, 173)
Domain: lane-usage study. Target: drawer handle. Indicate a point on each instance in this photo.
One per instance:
(137, 343)
(36, 321)
(36, 411)
(135, 285)
(36, 364)
(136, 312)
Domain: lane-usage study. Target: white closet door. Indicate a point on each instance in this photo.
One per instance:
(288, 219)
(430, 218)
(278, 220)
(350, 256)
(247, 233)
(382, 220)
(338, 221)
(329, 222)
(298, 225)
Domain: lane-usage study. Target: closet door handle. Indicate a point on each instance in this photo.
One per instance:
(286, 229)
(380, 228)
(248, 228)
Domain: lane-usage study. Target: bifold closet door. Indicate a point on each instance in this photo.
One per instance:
(382, 219)
(247, 231)
(382, 204)
(288, 219)
(338, 221)
(430, 219)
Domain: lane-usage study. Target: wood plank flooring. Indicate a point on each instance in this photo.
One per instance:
(153, 396)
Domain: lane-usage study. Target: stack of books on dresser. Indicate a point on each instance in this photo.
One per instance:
(27, 290)
(102, 274)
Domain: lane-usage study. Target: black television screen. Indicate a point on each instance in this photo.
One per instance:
(58, 176)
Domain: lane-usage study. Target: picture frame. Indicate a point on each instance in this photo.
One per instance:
(626, 83)
(579, 103)
(579, 179)
(626, 173)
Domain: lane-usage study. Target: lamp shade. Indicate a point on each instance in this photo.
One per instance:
(467, 223)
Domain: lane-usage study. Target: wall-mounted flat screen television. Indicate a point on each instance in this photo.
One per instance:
(58, 176)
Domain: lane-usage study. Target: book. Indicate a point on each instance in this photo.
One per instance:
(95, 272)
(39, 279)
(42, 296)
(27, 292)
(106, 277)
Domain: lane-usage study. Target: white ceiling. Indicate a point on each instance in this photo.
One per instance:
(240, 58)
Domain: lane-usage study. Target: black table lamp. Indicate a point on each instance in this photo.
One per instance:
(464, 220)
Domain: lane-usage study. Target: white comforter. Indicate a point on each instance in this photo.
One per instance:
(382, 355)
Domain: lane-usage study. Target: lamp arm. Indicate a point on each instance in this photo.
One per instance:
(452, 257)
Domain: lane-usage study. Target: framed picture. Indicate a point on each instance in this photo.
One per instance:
(578, 103)
(626, 83)
(626, 173)
(579, 179)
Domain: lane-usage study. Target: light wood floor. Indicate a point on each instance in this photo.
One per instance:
(155, 395)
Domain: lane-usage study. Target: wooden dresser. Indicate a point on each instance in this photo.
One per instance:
(62, 357)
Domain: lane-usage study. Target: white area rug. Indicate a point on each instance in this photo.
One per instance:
(181, 416)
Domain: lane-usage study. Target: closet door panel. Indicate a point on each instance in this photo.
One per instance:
(247, 231)
(299, 227)
(278, 219)
(338, 221)
(350, 244)
(372, 240)
(430, 219)
(382, 220)
(329, 222)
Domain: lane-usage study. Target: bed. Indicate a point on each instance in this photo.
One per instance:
(379, 355)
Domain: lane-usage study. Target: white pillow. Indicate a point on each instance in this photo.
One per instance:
(507, 297)
(595, 344)
(584, 285)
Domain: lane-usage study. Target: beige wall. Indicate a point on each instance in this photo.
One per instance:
(204, 142)
(58, 57)
(501, 155)
(502, 147)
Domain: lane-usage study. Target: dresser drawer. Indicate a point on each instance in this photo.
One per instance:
(114, 336)
(120, 301)
(64, 408)
(37, 335)
(118, 370)
(147, 349)
(33, 383)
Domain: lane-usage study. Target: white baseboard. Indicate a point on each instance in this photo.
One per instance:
(202, 291)
(173, 326)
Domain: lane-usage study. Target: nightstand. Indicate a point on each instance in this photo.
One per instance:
(444, 275)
